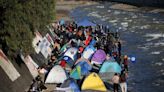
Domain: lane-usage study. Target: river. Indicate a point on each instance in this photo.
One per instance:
(142, 35)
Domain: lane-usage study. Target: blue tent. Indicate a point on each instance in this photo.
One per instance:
(88, 52)
(85, 67)
(69, 85)
(85, 23)
(82, 68)
(113, 67)
(93, 42)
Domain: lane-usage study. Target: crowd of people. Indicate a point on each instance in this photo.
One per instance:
(70, 34)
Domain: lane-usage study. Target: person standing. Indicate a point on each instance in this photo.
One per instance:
(115, 81)
(119, 48)
(125, 62)
(123, 83)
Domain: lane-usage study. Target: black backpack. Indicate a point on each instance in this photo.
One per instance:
(122, 78)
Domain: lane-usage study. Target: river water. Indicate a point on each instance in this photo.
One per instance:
(142, 35)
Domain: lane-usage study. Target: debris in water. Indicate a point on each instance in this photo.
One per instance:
(100, 6)
(155, 52)
(124, 24)
(158, 63)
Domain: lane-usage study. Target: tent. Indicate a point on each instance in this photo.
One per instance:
(106, 76)
(93, 42)
(110, 67)
(98, 57)
(85, 23)
(88, 52)
(69, 85)
(82, 59)
(81, 68)
(72, 53)
(85, 67)
(56, 75)
(76, 73)
(64, 48)
(93, 82)
(70, 56)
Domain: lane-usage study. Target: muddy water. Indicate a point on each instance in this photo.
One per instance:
(143, 37)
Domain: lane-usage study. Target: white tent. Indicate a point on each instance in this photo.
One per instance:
(56, 75)
(88, 52)
(71, 52)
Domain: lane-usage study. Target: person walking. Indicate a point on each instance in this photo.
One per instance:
(123, 83)
(125, 62)
(115, 81)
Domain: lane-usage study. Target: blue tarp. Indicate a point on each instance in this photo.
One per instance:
(85, 23)
(62, 22)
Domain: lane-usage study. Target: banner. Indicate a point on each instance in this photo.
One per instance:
(44, 47)
(36, 41)
(49, 39)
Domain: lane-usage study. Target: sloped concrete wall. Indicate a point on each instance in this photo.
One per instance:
(20, 84)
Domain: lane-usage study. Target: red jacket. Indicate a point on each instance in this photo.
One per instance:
(87, 41)
(63, 63)
(125, 61)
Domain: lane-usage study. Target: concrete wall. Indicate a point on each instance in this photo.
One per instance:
(20, 84)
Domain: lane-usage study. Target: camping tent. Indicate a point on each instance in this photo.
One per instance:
(82, 59)
(93, 82)
(69, 85)
(85, 23)
(56, 75)
(110, 67)
(88, 52)
(81, 68)
(84, 66)
(70, 56)
(98, 57)
(93, 42)
(76, 73)
(72, 53)
(64, 48)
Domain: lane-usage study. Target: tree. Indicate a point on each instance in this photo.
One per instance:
(20, 19)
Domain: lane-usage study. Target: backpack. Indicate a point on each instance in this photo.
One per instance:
(122, 78)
